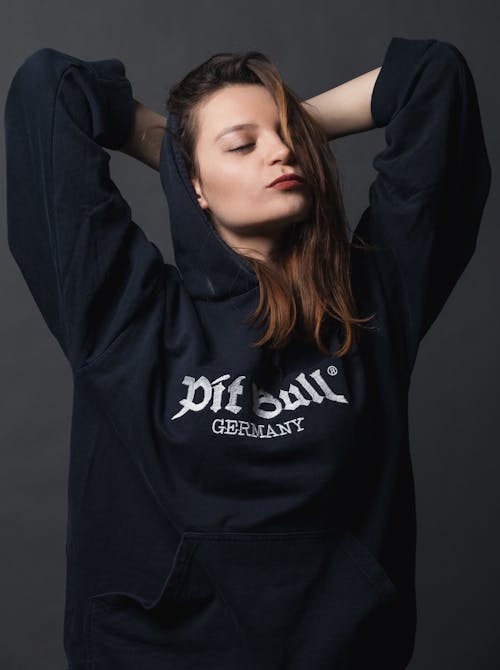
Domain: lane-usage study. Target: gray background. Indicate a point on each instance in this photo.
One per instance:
(454, 394)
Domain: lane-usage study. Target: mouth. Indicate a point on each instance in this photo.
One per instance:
(287, 180)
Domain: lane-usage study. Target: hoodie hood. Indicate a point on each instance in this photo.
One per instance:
(209, 267)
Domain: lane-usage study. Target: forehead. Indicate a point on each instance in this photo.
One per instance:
(245, 106)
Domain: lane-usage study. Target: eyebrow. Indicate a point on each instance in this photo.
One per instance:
(238, 126)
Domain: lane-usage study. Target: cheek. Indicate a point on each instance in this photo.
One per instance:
(223, 181)
(230, 185)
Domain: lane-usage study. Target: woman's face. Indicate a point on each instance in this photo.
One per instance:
(237, 166)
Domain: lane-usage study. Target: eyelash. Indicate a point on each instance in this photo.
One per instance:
(243, 147)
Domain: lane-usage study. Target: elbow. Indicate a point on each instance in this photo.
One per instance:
(33, 80)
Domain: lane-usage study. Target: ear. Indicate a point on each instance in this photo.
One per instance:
(199, 194)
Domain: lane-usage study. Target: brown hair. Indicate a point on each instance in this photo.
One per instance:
(310, 275)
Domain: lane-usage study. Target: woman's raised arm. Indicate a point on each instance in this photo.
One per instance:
(345, 109)
(88, 265)
(432, 180)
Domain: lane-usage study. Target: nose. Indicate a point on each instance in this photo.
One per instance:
(281, 152)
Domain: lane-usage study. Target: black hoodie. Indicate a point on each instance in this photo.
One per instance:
(231, 506)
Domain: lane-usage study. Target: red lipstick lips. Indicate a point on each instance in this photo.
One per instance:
(289, 177)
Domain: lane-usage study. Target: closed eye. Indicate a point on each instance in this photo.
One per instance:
(245, 146)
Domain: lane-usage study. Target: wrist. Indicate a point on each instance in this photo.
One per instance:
(144, 141)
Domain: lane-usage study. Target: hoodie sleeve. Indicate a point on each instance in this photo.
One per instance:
(88, 266)
(433, 176)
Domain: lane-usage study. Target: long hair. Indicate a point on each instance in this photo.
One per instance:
(308, 278)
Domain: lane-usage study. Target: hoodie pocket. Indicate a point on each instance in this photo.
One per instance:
(258, 600)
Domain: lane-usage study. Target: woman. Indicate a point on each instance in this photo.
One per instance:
(240, 488)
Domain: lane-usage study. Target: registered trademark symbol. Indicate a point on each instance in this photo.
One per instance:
(332, 370)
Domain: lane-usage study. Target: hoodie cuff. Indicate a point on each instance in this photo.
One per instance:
(401, 57)
(116, 109)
